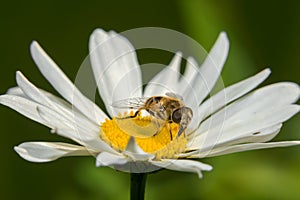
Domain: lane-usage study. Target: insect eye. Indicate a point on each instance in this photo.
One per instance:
(176, 115)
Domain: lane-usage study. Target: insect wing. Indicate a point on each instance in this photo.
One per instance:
(131, 103)
(173, 95)
(148, 129)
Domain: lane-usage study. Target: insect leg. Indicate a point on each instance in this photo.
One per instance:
(170, 131)
(180, 131)
(133, 116)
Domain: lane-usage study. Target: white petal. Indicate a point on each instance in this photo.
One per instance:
(60, 108)
(196, 82)
(252, 146)
(55, 103)
(191, 70)
(260, 109)
(263, 135)
(89, 138)
(58, 122)
(231, 93)
(183, 165)
(31, 91)
(109, 159)
(115, 67)
(185, 87)
(137, 167)
(166, 80)
(264, 99)
(64, 86)
(32, 110)
(135, 152)
(233, 129)
(39, 113)
(207, 75)
(49, 151)
(58, 105)
(23, 106)
(16, 91)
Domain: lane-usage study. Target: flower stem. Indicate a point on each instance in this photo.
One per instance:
(137, 185)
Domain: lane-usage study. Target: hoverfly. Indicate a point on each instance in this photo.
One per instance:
(167, 109)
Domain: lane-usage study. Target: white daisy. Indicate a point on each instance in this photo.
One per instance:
(233, 120)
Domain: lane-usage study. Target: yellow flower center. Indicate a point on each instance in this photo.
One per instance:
(150, 135)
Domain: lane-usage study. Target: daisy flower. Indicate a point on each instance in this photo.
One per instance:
(237, 118)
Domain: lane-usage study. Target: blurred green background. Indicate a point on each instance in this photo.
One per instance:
(262, 34)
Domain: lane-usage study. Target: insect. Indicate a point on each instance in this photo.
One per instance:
(169, 108)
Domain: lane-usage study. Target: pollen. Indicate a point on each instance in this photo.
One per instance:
(150, 135)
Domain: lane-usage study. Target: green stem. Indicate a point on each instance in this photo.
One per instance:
(137, 186)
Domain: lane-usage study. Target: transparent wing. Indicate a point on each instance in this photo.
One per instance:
(131, 103)
(135, 129)
(173, 95)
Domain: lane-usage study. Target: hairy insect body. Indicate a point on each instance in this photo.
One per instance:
(168, 108)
